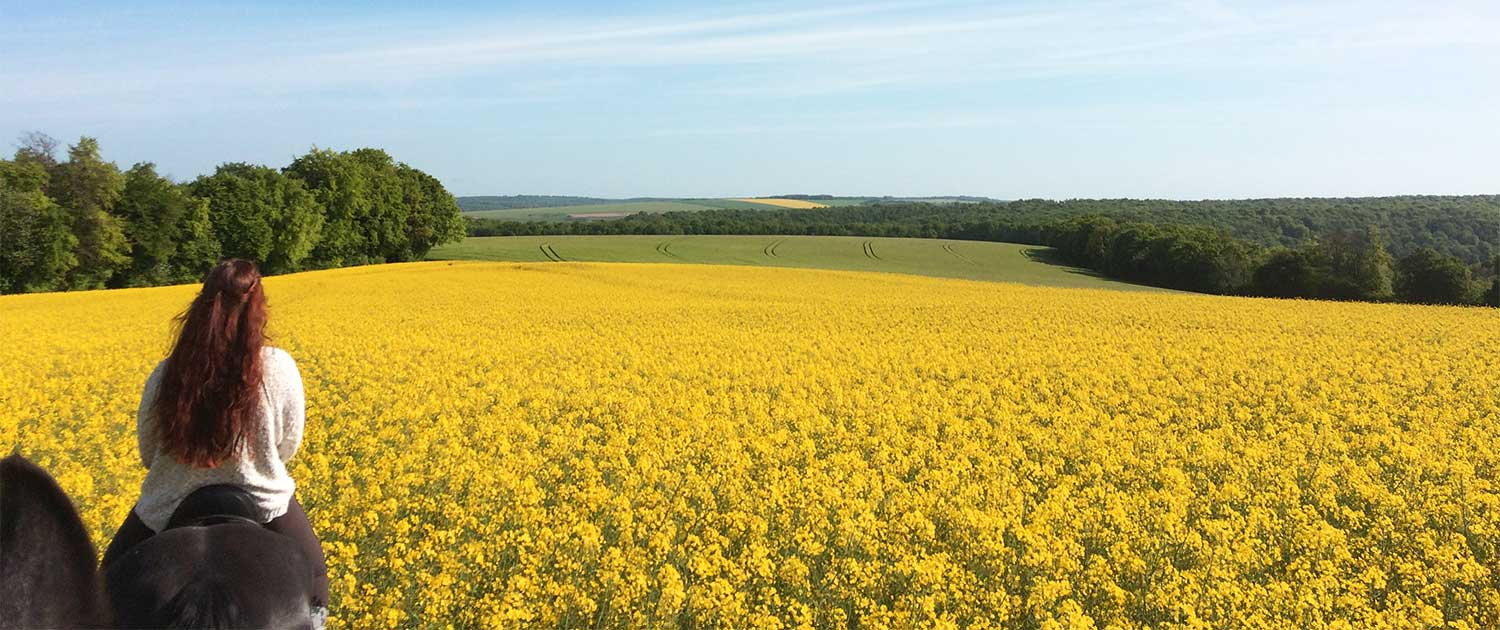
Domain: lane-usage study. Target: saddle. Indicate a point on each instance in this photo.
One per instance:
(215, 505)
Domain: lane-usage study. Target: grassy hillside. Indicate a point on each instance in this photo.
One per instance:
(973, 260)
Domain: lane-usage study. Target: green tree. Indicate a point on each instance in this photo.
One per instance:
(378, 210)
(87, 187)
(24, 174)
(1126, 255)
(385, 226)
(1211, 262)
(1286, 273)
(1081, 241)
(1358, 266)
(433, 216)
(1492, 296)
(1428, 277)
(171, 237)
(138, 228)
(338, 184)
(259, 214)
(36, 251)
(199, 247)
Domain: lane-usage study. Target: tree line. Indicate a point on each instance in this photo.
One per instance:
(78, 222)
(1465, 227)
(1342, 265)
(1341, 260)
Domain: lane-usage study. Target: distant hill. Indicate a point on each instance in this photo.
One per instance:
(507, 202)
(595, 211)
(525, 202)
(835, 200)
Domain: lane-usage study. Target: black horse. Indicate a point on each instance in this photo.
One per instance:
(212, 567)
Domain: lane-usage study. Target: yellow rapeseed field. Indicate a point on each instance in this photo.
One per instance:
(800, 204)
(571, 445)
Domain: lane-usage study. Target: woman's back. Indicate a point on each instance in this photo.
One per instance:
(223, 409)
(259, 466)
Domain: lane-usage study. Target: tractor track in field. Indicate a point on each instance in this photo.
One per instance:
(770, 248)
(550, 253)
(870, 251)
(665, 248)
(948, 247)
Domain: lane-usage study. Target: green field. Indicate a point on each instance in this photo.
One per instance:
(859, 201)
(842, 201)
(733, 204)
(1004, 262)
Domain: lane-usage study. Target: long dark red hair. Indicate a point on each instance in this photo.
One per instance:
(210, 385)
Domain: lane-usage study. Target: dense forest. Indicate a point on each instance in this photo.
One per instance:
(1416, 249)
(1341, 265)
(1466, 227)
(78, 222)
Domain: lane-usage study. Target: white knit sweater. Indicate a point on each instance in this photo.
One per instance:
(260, 468)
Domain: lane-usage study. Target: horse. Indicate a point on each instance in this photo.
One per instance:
(211, 567)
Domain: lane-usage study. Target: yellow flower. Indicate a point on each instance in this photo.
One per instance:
(570, 445)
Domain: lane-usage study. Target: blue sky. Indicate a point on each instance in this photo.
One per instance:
(1172, 99)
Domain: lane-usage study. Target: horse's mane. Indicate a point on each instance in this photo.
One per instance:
(205, 604)
(221, 576)
(47, 573)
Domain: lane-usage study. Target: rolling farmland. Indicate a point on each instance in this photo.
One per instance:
(786, 203)
(929, 257)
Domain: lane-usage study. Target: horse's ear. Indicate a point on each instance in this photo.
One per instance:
(47, 562)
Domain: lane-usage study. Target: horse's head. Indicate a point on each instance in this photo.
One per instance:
(225, 575)
(47, 577)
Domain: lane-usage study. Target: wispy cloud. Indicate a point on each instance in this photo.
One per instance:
(828, 50)
(584, 87)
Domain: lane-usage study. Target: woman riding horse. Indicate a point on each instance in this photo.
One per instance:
(223, 409)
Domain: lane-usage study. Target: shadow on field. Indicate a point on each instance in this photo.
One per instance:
(1049, 256)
